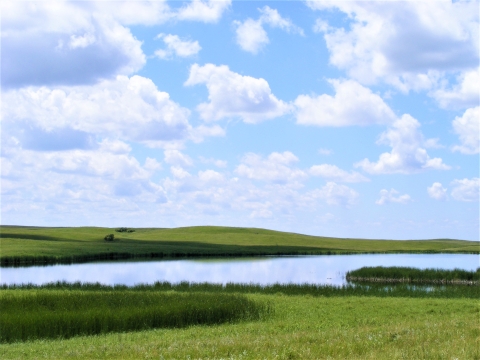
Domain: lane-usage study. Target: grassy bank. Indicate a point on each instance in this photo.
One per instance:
(370, 290)
(408, 274)
(303, 327)
(39, 245)
(45, 313)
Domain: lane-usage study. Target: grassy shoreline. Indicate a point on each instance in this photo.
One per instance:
(24, 246)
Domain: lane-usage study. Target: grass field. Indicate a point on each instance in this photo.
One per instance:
(37, 245)
(301, 327)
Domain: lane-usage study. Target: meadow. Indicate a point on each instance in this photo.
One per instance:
(361, 320)
(22, 245)
(301, 324)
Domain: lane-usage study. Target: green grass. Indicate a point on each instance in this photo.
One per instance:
(40, 245)
(45, 313)
(376, 290)
(408, 274)
(302, 327)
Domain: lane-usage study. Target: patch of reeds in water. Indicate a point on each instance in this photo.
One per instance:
(45, 313)
(394, 274)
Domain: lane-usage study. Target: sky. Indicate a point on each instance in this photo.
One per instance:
(334, 118)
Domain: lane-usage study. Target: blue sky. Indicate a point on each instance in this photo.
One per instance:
(335, 118)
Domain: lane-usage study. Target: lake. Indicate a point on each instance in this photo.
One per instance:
(318, 269)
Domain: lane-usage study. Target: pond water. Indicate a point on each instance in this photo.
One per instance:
(321, 269)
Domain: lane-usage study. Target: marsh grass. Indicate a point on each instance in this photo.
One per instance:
(408, 274)
(370, 290)
(46, 313)
(302, 327)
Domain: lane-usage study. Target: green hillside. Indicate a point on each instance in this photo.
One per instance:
(21, 245)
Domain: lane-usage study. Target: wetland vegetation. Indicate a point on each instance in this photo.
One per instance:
(409, 274)
(300, 322)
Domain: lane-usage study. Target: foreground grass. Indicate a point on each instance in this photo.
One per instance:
(303, 327)
(45, 313)
(37, 245)
(409, 274)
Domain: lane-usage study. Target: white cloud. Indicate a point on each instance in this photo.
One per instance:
(407, 155)
(276, 168)
(437, 191)
(466, 189)
(252, 37)
(334, 194)
(69, 43)
(76, 43)
(467, 127)
(75, 177)
(206, 11)
(127, 108)
(377, 45)
(234, 95)
(175, 157)
(323, 151)
(216, 162)
(352, 104)
(464, 94)
(179, 173)
(334, 173)
(390, 196)
(210, 176)
(176, 47)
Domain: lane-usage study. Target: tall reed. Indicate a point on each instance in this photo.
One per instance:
(44, 313)
(408, 274)
(373, 289)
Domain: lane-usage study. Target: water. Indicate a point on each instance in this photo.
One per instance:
(321, 269)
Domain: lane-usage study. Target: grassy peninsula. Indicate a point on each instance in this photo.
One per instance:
(25, 245)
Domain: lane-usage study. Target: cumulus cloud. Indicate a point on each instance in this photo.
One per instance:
(335, 194)
(176, 47)
(437, 191)
(334, 173)
(251, 35)
(391, 196)
(206, 11)
(76, 43)
(467, 127)
(175, 157)
(378, 46)
(353, 104)
(407, 155)
(41, 47)
(234, 95)
(464, 94)
(75, 177)
(466, 189)
(217, 162)
(277, 167)
(128, 108)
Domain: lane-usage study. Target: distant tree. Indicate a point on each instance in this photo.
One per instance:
(124, 229)
(109, 237)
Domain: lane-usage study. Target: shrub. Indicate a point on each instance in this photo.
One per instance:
(124, 229)
(109, 237)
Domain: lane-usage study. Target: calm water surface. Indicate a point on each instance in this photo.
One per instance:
(322, 269)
